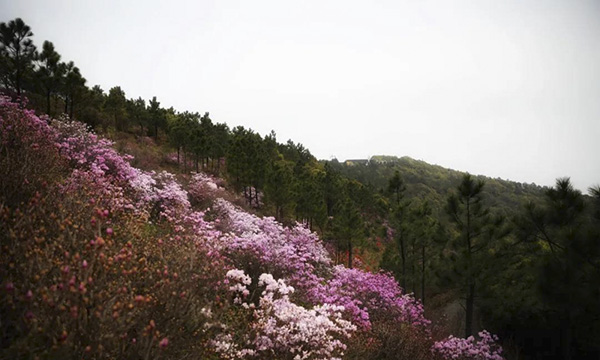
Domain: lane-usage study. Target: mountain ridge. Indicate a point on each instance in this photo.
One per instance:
(434, 182)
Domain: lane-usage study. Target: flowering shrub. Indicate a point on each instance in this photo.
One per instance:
(203, 190)
(262, 244)
(81, 276)
(157, 192)
(103, 260)
(171, 201)
(85, 150)
(282, 329)
(28, 153)
(485, 348)
(365, 294)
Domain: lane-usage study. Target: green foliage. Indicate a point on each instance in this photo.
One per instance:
(279, 186)
(348, 227)
(156, 116)
(566, 230)
(476, 229)
(17, 53)
(434, 183)
(50, 72)
(74, 88)
(116, 106)
(138, 113)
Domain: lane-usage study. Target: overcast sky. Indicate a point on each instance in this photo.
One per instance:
(507, 89)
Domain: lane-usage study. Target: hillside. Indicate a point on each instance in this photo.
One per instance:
(103, 260)
(434, 182)
(132, 230)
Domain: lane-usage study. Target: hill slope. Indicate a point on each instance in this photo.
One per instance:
(434, 182)
(103, 260)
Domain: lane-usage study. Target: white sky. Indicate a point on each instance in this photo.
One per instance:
(507, 89)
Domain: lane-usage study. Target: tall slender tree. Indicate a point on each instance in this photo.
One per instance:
(397, 187)
(74, 86)
(570, 266)
(138, 112)
(116, 107)
(424, 227)
(157, 116)
(279, 184)
(399, 220)
(475, 229)
(348, 227)
(17, 53)
(50, 71)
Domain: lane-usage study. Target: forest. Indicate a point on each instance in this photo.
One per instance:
(170, 235)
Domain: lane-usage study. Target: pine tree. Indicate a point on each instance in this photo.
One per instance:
(50, 72)
(116, 107)
(475, 230)
(399, 221)
(17, 53)
(570, 265)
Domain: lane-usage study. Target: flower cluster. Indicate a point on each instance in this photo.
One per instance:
(283, 329)
(85, 150)
(204, 189)
(171, 200)
(486, 348)
(259, 244)
(364, 295)
(240, 281)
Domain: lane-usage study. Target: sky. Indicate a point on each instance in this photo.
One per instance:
(507, 89)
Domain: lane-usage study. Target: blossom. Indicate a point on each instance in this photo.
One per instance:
(485, 348)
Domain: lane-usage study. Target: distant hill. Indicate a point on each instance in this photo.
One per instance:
(433, 182)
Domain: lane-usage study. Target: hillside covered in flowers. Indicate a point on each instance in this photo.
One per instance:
(103, 260)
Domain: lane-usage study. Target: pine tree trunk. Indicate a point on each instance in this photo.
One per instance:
(469, 308)
(566, 332)
(18, 79)
(48, 102)
(423, 274)
(349, 254)
(403, 257)
(413, 270)
(184, 160)
(566, 337)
